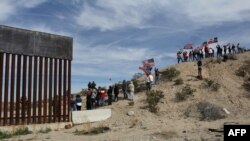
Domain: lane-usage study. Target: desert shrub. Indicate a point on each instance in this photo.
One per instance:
(46, 130)
(210, 111)
(219, 60)
(244, 70)
(178, 81)
(229, 57)
(94, 131)
(140, 87)
(241, 72)
(22, 131)
(246, 85)
(210, 84)
(169, 74)
(184, 93)
(232, 57)
(18, 132)
(153, 98)
(4, 135)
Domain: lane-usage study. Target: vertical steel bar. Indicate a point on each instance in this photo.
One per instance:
(60, 90)
(50, 88)
(64, 89)
(69, 88)
(6, 89)
(1, 85)
(18, 86)
(45, 90)
(24, 97)
(55, 107)
(35, 89)
(40, 89)
(29, 89)
(12, 89)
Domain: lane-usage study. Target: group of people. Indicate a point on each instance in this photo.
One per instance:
(96, 97)
(198, 53)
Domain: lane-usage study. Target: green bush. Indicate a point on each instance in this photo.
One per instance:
(18, 132)
(4, 135)
(153, 98)
(210, 84)
(138, 86)
(22, 131)
(169, 74)
(94, 131)
(184, 94)
(178, 81)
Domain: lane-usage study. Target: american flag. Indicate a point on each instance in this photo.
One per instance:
(147, 65)
(149, 62)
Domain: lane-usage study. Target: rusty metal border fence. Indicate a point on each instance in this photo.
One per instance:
(35, 77)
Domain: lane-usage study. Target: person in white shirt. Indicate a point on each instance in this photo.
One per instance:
(150, 80)
(131, 90)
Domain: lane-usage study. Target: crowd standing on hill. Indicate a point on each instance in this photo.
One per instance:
(95, 97)
(198, 53)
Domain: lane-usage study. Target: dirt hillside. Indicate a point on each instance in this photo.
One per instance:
(171, 122)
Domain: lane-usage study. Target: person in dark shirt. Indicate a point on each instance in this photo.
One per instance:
(110, 96)
(199, 69)
(116, 92)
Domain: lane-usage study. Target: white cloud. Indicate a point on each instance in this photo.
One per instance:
(104, 54)
(113, 14)
(11, 7)
(6, 9)
(217, 11)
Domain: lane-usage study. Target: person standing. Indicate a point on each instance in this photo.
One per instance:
(89, 99)
(78, 103)
(124, 89)
(73, 103)
(131, 89)
(102, 95)
(157, 76)
(116, 92)
(225, 49)
(110, 96)
(233, 48)
(179, 57)
(199, 63)
(150, 80)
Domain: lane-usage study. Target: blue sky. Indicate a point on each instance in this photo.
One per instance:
(112, 37)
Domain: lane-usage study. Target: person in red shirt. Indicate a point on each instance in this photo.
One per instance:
(102, 94)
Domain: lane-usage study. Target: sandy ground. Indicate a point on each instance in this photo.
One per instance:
(170, 123)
